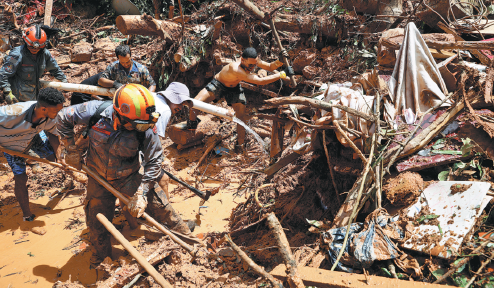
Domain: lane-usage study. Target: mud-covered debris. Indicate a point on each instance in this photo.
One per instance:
(404, 189)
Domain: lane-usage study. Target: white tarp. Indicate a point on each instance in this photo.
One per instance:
(416, 82)
(457, 212)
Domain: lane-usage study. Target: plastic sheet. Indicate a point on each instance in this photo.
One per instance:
(367, 242)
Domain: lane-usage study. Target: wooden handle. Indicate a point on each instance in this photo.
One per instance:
(133, 251)
(146, 216)
(293, 82)
(19, 154)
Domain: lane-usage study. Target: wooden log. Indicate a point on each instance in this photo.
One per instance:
(294, 279)
(148, 26)
(48, 9)
(259, 89)
(133, 251)
(323, 278)
(120, 278)
(258, 269)
(277, 133)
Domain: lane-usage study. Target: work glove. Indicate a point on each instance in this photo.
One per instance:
(117, 84)
(9, 97)
(137, 204)
(289, 71)
(192, 125)
(73, 157)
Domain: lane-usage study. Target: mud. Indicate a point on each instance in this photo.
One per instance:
(459, 188)
(404, 189)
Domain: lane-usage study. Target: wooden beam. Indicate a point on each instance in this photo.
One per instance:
(322, 278)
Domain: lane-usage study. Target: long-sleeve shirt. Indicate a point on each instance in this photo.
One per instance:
(16, 127)
(21, 71)
(114, 154)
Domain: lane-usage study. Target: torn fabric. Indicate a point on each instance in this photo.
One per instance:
(416, 82)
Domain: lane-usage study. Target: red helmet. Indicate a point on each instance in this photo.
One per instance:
(35, 37)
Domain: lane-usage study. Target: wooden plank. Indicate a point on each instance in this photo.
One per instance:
(281, 163)
(328, 279)
(48, 9)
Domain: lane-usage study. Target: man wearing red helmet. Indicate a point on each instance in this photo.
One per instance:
(25, 65)
(125, 129)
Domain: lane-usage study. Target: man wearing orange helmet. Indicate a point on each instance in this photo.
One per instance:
(126, 128)
(25, 65)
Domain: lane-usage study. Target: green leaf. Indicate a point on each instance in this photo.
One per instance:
(457, 261)
(440, 230)
(461, 280)
(430, 216)
(439, 272)
(459, 165)
(461, 268)
(446, 152)
(314, 223)
(443, 176)
(467, 147)
(187, 60)
(439, 144)
(386, 272)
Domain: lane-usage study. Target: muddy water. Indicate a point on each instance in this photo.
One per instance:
(248, 129)
(41, 260)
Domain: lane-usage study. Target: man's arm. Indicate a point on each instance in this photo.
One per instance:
(153, 157)
(68, 117)
(148, 79)
(104, 79)
(53, 68)
(269, 66)
(254, 79)
(54, 142)
(9, 67)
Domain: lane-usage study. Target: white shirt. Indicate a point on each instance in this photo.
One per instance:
(16, 129)
(165, 114)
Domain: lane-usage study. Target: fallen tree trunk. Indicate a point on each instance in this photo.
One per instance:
(464, 45)
(170, 30)
(483, 59)
(148, 26)
(294, 279)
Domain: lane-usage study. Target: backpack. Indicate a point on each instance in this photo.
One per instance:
(97, 116)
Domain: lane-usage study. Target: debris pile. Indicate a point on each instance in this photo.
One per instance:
(377, 155)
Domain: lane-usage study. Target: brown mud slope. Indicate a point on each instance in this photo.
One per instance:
(301, 191)
(404, 189)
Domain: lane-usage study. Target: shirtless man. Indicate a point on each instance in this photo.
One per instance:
(227, 84)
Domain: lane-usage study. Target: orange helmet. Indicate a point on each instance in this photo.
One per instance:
(35, 37)
(134, 105)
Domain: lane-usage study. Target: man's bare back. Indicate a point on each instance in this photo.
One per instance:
(231, 74)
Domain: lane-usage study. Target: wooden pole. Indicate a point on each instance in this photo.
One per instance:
(294, 279)
(258, 269)
(123, 199)
(133, 251)
(19, 154)
(48, 9)
(293, 82)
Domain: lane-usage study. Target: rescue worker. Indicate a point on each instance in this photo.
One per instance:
(168, 103)
(123, 71)
(227, 84)
(25, 65)
(125, 128)
(20, 127)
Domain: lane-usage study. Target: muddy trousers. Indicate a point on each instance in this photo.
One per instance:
(100, 200)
